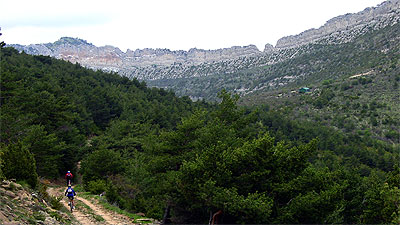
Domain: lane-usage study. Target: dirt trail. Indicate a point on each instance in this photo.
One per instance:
(82, 215)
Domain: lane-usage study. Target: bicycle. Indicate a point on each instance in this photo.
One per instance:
(70, 193)
(71, 206)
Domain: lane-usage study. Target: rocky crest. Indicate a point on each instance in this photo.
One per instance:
(110, 58)
(344, 27)
(153, 64)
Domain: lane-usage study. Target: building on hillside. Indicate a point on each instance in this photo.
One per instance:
(304, 90)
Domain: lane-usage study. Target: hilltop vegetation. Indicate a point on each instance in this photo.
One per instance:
(181, 161)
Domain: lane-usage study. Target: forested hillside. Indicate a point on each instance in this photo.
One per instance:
(293, 68)
(52, 108)
(354, 87)
(180, 161)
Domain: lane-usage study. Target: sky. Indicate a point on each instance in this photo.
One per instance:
(172, 24)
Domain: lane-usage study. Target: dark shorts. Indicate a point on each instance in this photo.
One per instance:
(71, 197)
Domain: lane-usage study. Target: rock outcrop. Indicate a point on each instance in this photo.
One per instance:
(153, 64)
(19, 206)
(344, 28)
(113, 59)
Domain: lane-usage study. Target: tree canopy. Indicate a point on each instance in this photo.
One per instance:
(181, 161)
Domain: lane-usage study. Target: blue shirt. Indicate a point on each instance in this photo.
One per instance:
(70, 192)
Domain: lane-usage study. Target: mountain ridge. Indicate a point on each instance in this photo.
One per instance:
(174, 69)
(110, 57)
(388, 11)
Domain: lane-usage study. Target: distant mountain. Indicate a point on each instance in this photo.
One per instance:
(243, 70)
(112, 58)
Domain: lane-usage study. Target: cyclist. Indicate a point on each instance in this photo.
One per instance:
(68, 177)
(70, 193)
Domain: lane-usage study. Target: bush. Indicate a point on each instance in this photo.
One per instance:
(39, 216)
(112, 194)
(42, 191)
(392, 134)
(97, 186)
(55, 202)
(19, 164)
(327, 82)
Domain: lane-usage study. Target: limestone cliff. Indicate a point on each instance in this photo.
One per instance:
(345, 27)
(113, 59)
(153, 64)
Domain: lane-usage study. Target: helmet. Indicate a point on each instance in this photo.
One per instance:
(69, 185)
(68, 171)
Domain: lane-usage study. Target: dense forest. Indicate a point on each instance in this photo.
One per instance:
(181, 161)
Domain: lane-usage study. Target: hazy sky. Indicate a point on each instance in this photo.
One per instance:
(173, 24)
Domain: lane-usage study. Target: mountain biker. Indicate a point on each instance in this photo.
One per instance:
(70, 193)
(68, 177)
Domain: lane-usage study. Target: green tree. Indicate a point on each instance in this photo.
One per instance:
(239, 180)
(46, 149)
(101, 164)
(19, 163)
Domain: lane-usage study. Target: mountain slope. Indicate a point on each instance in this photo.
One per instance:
(306, 65)
(355, 86)
(175, 160)
(181, 70)
(49, 107)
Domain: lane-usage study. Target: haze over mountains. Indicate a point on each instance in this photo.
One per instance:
(162, 66)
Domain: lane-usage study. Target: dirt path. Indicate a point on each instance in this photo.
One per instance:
(87, 216)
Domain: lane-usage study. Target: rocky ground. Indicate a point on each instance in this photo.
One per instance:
(21, 206)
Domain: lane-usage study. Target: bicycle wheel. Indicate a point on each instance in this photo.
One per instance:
(71, 206)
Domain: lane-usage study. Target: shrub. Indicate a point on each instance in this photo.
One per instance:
(327, 82)
(392, 134)
(55, 202)
(39, 216)
(42, 189)
(97, 186)
(19, 164)
(111, 194)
